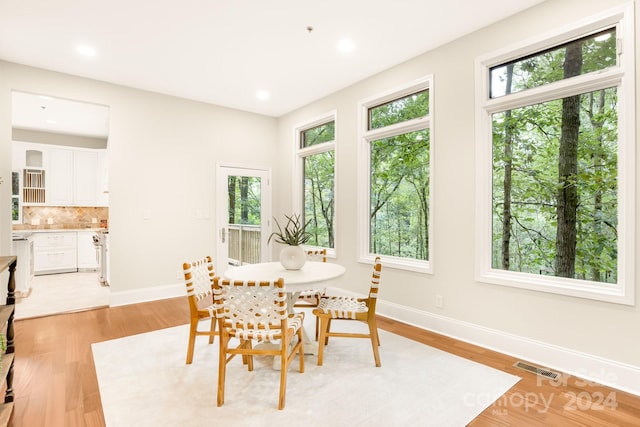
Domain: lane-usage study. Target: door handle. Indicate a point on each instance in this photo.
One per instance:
(223, 234)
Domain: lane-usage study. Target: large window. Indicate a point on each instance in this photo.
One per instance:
(556, 198)
(316, 165)
(395, 177)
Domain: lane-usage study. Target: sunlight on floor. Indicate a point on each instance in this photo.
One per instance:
(61, 293)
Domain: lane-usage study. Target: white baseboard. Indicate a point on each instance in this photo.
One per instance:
(591, 368)
(147, 294)
(586, 366)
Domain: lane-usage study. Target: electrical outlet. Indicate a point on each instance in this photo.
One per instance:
(439, 301)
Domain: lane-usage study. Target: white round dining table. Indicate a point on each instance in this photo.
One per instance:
(312, 276)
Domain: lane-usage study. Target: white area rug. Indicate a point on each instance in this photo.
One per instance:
(144, 381)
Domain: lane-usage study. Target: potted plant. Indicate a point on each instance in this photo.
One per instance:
(292, 256)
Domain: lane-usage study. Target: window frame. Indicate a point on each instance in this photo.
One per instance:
(365, 136)
(301, 153)
(622, 77)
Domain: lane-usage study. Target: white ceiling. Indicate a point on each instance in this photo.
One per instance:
(224, 51)
(44, 113)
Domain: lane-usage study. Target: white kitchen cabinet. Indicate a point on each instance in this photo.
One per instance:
(86, 174)
(55, 252)
(74, 176)
(87, 254)
(59, 183)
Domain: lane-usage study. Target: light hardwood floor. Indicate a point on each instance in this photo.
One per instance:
(55, 381)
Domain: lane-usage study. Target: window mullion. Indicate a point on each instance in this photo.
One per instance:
(399, 128)
(560, 89)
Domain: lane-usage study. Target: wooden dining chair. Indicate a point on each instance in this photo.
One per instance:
(350, 308)
(256, 311)
(310, 299)
(198, 277)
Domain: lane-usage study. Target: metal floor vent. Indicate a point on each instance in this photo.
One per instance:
(538, 371)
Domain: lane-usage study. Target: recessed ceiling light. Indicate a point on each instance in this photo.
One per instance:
(85, 50)
(346, 45)
(262, 95)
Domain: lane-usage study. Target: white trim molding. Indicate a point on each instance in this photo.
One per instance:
(153, 293)
(588, 367)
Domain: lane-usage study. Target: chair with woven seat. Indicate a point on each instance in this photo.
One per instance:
(350, 308)
(310, 299)
(256, 311)
(198, 277)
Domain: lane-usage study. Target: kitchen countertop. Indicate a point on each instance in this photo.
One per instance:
(59, 230)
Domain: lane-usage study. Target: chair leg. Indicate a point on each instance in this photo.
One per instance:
(192, 340)
(326, 338)
(375, 343)
(301, 349)
(249, 345)
(212, 329)
(324, 328)
(222, 367)
(284, 357)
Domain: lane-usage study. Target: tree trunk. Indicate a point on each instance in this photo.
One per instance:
(244, 195)
(506, 185)
(567, 170)
(231, 190)
(597, 125)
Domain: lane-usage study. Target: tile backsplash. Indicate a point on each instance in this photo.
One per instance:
(54, 217)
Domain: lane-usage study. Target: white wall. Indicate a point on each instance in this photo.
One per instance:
(162, 156)
(560, 328)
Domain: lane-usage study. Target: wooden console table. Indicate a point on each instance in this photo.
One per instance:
(7, 313)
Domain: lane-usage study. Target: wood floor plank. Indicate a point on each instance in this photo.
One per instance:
(55, 381)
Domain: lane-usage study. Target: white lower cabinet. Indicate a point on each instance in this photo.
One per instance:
(55, 252)
(87, 254)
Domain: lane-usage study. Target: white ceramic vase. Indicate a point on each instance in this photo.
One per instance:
(292, 257)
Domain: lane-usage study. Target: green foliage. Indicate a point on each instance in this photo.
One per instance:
(399, 110)
(319, 198)
(526, 143)
(399, 200)
(244, 200)
(293, 233)
(318, 135)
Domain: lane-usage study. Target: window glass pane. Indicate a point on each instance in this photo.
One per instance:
(318, 198)
(244, 219)
(15, 183)
(244, 200)
(399, 110)
(317, 135)
(594, 53)
(555, 188)
(399, 201)
(15, 209)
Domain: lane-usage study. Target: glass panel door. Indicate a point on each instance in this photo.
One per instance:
(243, 216)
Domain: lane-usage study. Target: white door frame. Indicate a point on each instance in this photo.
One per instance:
(223, 171)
